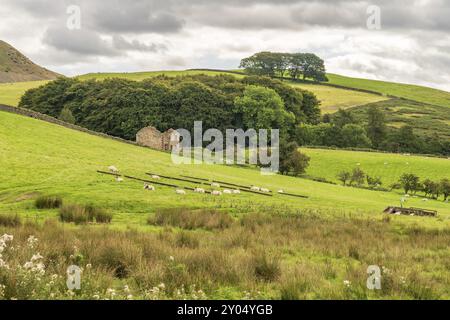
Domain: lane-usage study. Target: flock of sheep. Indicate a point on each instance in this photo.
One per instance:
(150, 187)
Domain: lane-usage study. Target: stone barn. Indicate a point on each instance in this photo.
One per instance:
(153, 138)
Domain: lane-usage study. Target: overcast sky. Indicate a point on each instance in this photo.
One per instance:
(412, 46)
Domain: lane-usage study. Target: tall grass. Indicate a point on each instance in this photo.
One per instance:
(48, 202)
(188, 219)
(258, 256)
(82, 214)
(10, 220)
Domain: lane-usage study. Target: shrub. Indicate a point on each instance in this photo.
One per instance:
(80, 214)
(10, 220)
(48, 202)
(187, 240)
(266, 268)
(100, 215)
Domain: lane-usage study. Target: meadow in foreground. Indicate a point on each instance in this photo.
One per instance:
(196, 255)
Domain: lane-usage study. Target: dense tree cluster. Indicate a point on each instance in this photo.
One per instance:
(122, 107)
(343, 130)
(297, 65)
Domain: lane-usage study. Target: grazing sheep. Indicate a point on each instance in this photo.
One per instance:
(215, 185)
(281, 191)
(216, 193)
(113, 169)
(119, 179)
(226, 191)
(265, 190)
(424, 199)
(199, 190)
(255, 188)
(180, 191)
(149, 187)
(154, 176)
(237, 191)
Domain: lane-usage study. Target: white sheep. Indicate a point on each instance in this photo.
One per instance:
(226, 191)
(216, 193)
(265, 190)
(237, 191)
(255, 188)
(281, 191)
(424, 199)
(180, 191)
(149, 187)
(215, 185)
(119, 179)
(199, 190)
(154, 176)
(113, 169)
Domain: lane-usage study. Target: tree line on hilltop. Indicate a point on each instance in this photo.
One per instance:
(297, 65)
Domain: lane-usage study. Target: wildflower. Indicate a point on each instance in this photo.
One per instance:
(36, 257)
(347, 283)
(111, 292)
(32, 240)
(3, 264)
(6, 237)
(88, 266)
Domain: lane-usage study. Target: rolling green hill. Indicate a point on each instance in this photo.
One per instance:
(407, 91)
(43, 158)
(15, 67)
(10, 93)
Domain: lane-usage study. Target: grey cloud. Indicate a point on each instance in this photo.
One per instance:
(122, 44)
(79, 41)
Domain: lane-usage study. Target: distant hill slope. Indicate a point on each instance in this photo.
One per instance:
(406, 91)
(15, 67)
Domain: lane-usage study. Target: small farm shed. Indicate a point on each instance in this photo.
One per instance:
(411, 211)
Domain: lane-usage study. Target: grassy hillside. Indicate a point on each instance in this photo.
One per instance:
(38, 160)
(407, 91)
(424, 118)
(389, 167)
(333, 99)
(10, 93)
(15, 67)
